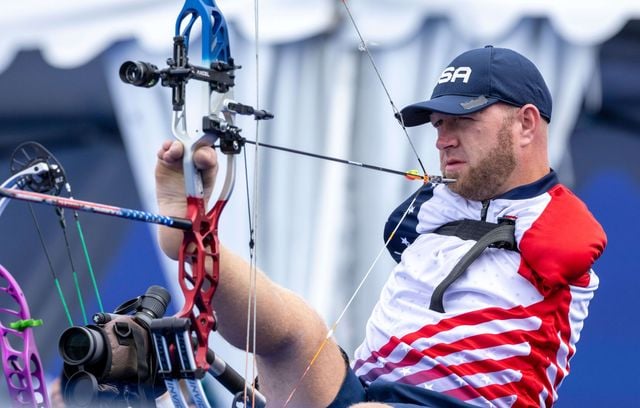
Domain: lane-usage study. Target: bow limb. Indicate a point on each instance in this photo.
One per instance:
(21, 362)
(20, 359)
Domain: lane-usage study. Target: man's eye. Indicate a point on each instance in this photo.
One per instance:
(437, 123)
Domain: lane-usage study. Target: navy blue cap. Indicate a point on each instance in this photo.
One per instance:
(479, 78)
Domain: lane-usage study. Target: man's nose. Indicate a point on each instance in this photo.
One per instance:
(446, 138)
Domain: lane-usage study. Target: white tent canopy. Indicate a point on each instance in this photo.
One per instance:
(72, 32)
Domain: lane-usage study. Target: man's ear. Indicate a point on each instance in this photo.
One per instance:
(530, 122)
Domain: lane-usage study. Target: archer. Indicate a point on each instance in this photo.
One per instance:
(489, 295)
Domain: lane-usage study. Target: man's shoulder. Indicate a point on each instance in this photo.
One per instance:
(555, 208)
(564, 237)
(567, 209)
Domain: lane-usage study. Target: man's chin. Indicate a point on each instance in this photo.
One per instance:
(459, 185)
(452, 174)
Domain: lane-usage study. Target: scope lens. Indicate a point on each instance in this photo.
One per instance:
(132, 74)
(80, 345)
(139, 73)
(81, 390)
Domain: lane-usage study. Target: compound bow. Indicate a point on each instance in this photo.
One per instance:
(212, 122)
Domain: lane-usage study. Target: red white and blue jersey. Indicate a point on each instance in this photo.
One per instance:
(511, 321)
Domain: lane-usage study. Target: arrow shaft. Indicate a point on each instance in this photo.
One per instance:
(88, 206)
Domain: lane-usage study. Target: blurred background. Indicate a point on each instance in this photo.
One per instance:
(319, 223)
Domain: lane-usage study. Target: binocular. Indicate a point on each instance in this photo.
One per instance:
(113, 360)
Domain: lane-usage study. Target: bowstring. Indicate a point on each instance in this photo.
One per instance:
(51, 268)
(364, 47)
(76, 282)
(252, 301)
(85, 250)
(335, 324)
(52, 163)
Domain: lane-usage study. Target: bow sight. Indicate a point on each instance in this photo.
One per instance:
(220, 77)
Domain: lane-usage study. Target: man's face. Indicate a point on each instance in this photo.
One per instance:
(477, 150)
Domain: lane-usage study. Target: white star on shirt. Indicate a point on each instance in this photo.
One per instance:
(405, 371)
(428, 386)
(405, 241)
(411, 209)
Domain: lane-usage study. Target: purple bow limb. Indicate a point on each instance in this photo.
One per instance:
(20, 359)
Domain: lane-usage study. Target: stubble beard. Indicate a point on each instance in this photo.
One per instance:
(484, 180)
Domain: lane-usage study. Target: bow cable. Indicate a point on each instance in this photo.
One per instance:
(35, 169)
(363, 47)
(252, 301)
(56, 281)
(76, 282)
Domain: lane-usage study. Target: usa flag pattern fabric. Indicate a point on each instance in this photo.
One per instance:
(511, 321)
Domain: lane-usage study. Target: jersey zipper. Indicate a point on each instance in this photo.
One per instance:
(484, 210)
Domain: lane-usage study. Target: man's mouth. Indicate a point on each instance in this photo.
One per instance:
(453, 165)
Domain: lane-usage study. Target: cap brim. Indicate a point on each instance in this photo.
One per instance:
(420, 113)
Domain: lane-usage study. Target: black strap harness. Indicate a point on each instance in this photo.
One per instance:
(487, 234)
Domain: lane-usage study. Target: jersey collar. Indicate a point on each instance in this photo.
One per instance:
(536, 188)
